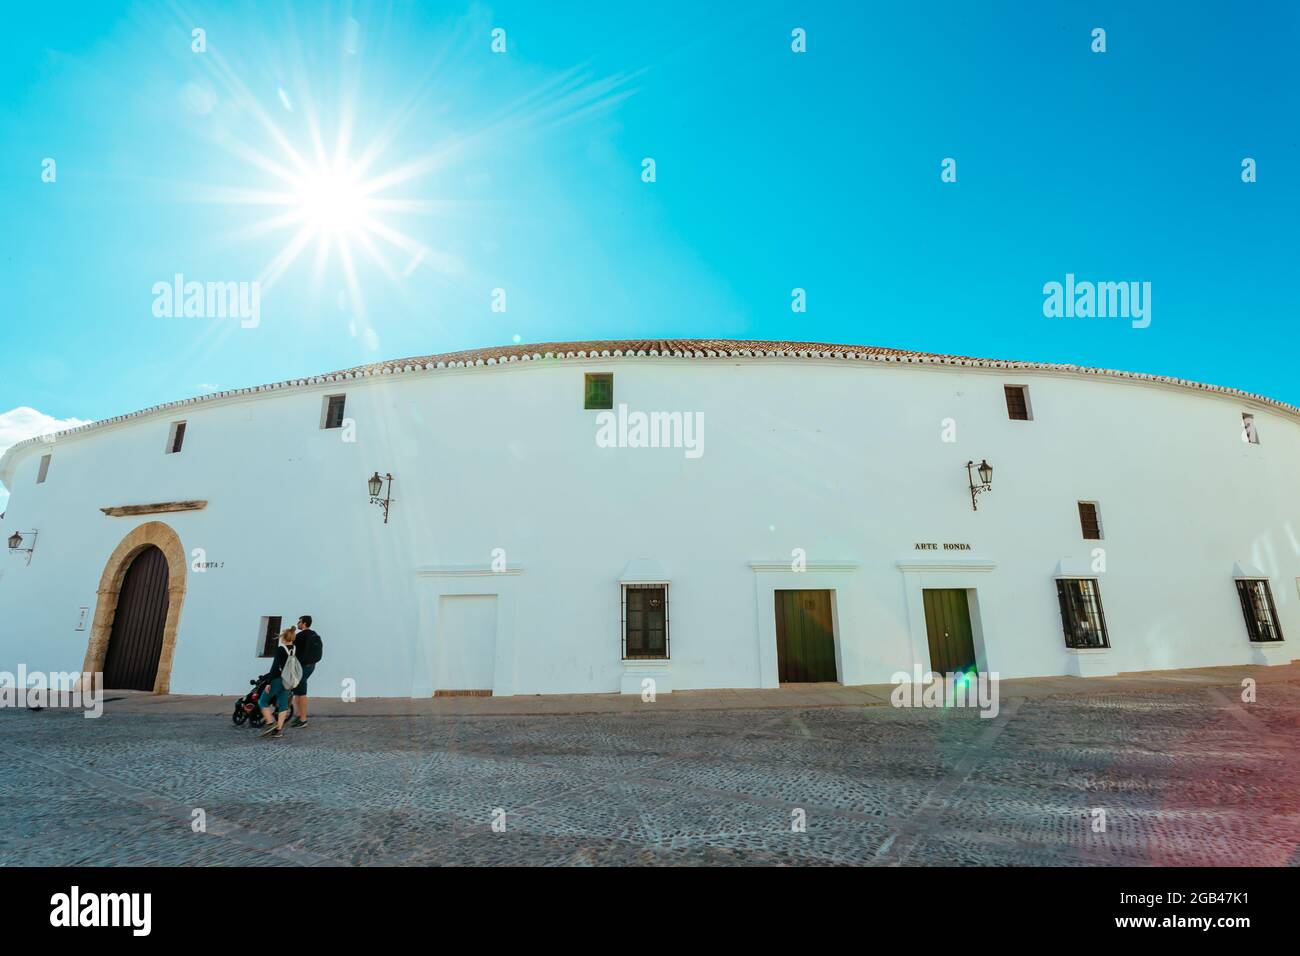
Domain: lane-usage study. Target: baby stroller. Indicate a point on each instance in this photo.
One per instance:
(246, 709)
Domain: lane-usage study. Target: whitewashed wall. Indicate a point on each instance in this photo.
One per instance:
(843, 459)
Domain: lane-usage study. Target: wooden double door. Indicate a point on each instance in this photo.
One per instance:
(805, 637)
(948, 627)
(135, 645)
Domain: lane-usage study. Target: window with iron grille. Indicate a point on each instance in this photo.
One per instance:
(598, 390)
(1248, 433)
(1259, 610)
(1017, 402)
(269, 636)
(1081, 613)
(1090, 520)
(645, 622)
(177, 438)
(333, 413)
(44, 469)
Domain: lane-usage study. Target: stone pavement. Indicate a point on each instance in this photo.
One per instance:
(1181, 770)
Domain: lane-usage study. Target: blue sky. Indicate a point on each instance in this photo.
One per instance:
(522, 171)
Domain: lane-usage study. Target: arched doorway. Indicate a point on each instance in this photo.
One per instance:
(125, 644)
(135, 644)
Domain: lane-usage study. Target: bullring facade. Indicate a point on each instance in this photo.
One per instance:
(783, 512)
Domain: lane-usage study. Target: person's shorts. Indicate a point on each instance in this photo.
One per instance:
(301, 689)
(274, 692)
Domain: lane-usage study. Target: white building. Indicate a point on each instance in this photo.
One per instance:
(814, 520)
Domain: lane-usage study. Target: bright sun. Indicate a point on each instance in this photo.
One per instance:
(332, 203)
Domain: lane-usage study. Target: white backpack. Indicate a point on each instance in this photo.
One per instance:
(291, 675)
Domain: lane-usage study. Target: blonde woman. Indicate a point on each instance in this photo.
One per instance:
(274, 692)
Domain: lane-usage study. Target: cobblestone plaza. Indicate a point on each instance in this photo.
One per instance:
(1182, 775)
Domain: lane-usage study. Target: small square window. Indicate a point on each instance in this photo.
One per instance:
(44, 469)
(176, 439)
(1017, 402)
(1259, 610)
(332, 411)
(268, 635)
(1090, 520)
(598, 390)
(1248, 433)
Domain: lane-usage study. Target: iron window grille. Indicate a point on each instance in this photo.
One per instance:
(598, 390)
(645, 622)
(1082, 615)
(1259, 610)
(1017, 402)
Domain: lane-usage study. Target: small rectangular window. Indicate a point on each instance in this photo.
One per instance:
(1017, 402)
(332, 411)
(1259, 610)
(598, 390)
(1248, 433)
(176, 439)
(268, 635)
(1090, 520)
(1081, 613)
(44, 469)
(645, 622)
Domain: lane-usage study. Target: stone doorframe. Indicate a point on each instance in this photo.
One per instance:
(958, 573)
(453, 580)
(835, 576)
(162, 537)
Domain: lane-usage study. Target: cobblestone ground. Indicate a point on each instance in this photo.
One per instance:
(1192, 777)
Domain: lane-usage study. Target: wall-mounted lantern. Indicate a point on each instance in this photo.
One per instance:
(16, 544)
(376, 484)
(985, 471)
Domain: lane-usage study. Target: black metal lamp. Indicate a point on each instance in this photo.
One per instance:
(16, 544)
(985, 472)
(376, 484)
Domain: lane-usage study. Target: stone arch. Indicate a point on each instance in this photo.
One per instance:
(162, 537)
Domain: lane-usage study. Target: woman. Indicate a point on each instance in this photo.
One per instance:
(274, 691)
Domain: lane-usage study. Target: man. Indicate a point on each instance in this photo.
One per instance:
(310, 650)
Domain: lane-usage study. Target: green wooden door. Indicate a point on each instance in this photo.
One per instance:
(805, 636)
(947, 625)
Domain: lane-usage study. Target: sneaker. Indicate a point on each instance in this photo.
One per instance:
(277, 732)
(270, 731)
(298, 722)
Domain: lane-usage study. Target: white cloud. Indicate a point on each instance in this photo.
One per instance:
(22, 423)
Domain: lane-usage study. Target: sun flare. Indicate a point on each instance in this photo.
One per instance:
(339, 196)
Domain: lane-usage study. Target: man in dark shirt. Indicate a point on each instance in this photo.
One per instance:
(310, 649)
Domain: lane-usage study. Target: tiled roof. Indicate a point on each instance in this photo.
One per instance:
(671, 348)
(684, 348)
